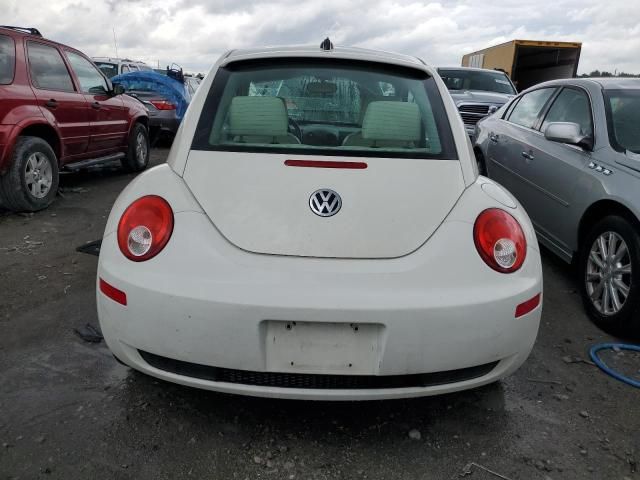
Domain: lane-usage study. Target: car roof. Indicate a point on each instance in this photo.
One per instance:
(608, 83)
(307, 51)
(617, 83)
(472, 69)
(20, 32)
(114, 60)
(38, 38)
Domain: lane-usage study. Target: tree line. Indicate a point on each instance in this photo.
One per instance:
(604, 73)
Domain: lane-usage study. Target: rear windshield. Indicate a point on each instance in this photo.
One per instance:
(7, 59)
(476, 80)
(325, 108)
(109, 69)
(623, 118)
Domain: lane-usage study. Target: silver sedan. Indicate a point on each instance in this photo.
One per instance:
(569, 151)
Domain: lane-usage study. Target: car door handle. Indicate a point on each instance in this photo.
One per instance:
(96, 105)
(528, 156)
(51, 103)
(493, 137)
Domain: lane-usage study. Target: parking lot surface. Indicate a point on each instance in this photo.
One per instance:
(68, 410)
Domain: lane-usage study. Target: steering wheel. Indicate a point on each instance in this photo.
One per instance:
(295, 129)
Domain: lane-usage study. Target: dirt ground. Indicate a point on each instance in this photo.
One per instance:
(68, 410)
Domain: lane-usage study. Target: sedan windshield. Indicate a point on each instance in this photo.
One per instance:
(623, 118)
(485, 81)
(109, 69)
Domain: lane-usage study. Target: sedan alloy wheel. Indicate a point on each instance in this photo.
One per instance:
(608, 273)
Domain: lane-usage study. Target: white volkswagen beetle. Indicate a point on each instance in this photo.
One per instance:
(320, 231)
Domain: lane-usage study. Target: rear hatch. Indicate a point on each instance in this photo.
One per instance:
(271, 136)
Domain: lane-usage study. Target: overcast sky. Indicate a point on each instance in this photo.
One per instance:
(193, 33)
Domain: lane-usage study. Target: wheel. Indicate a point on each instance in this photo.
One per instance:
(137, 157)
(610, 275)
(32, 180)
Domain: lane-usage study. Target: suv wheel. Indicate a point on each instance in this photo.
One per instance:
(137, 157)
(32, 180)
(610, 275)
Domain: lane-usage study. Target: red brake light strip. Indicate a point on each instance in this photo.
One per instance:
(326, 164)
(113, 293)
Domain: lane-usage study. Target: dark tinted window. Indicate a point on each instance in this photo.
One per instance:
(325, 108)
(47, 68)
(571, 105)
(7, 59)
(526, 112)
(623, 119)
(90, 78)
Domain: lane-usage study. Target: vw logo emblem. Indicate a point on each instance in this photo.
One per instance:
(325, 202)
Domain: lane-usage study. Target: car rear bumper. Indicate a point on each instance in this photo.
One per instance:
(204, 304)
(164, 122)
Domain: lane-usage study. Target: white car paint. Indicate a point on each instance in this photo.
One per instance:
(401, 195)
(212, 297)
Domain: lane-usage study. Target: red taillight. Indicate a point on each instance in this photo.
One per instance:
(145, 228)
(528, 306)
(113, 293)
(500, 240)
(162, 104)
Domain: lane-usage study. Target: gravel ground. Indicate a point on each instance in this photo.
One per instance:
(68, 410)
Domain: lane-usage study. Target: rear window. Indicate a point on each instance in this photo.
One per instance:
(48, 70)
(7, 59)
(325, 108)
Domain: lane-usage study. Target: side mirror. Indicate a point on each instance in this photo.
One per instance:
(118, 89)
(568, 132)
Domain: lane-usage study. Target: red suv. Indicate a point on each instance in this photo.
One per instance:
(58, 110)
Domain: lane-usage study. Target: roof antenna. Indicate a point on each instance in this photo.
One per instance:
(326, 45)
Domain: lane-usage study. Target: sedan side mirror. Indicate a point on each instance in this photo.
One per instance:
(118, 89)
(568, 132)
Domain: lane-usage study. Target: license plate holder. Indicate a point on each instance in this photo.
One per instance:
(323, 348)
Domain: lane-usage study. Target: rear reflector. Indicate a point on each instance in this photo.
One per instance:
(527, 306)
(325, 164)
(113, 293)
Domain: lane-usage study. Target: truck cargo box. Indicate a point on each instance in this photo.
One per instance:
(528, 62)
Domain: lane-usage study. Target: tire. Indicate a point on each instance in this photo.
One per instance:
(612, 277)
(31, 182)
(137, 157)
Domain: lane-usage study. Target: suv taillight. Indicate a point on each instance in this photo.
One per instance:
(145, 228)
(500, 240)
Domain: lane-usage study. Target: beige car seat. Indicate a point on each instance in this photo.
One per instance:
(388, 124)
(260, 120)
